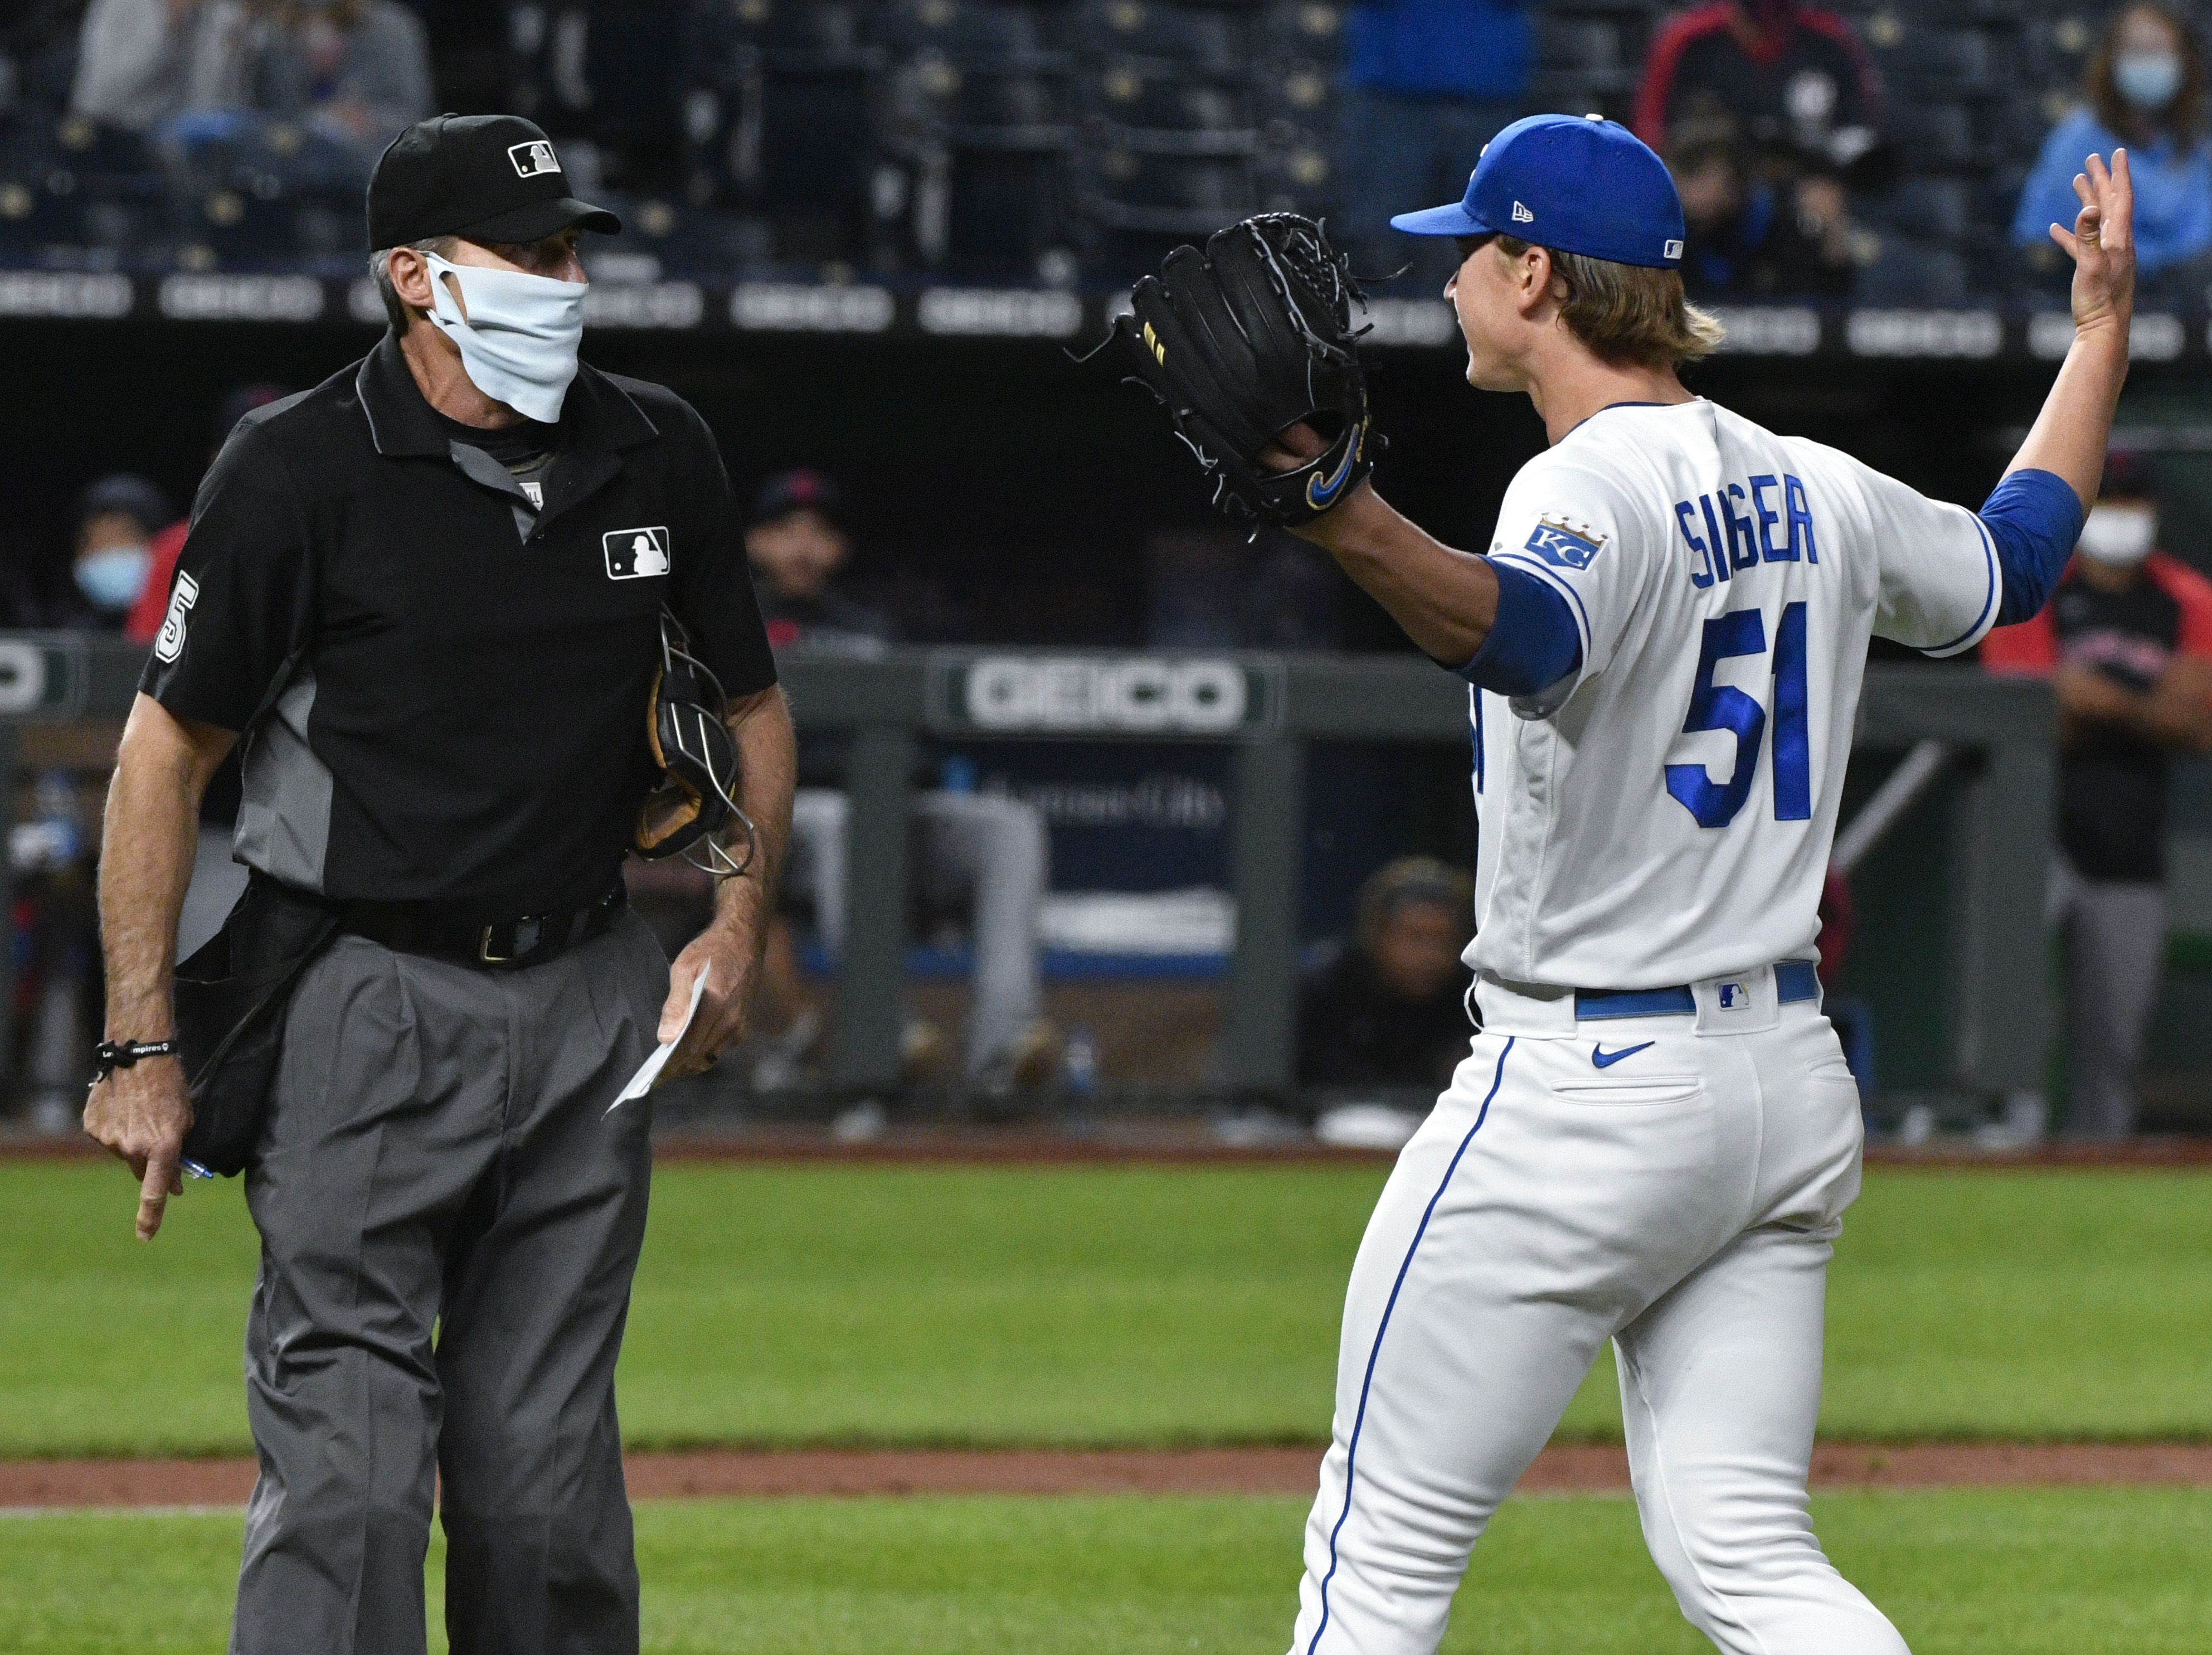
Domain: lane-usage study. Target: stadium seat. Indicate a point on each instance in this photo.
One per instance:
(1300, 95)
(792, 33)
(608, 70)
(1581, 45)
(1296, 178)
(776, 103)
(1210, 38)
(1917, 60)
(1179, 195)
(972, 174)
(1940, 210)
(1905, 273)
(2055, 49)
(1933, 137)
(1163, 98)
(970, 32)
(1300, 30)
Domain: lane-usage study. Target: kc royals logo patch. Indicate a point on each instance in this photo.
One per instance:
(1562, 545)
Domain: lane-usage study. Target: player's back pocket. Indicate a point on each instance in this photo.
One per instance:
(1645, 1092)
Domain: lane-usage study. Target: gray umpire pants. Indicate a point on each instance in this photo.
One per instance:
(2114, 932)
(449, 1221)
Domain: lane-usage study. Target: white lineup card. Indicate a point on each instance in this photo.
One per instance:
(649, 1071)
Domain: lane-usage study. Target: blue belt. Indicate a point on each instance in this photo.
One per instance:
(1794, 980)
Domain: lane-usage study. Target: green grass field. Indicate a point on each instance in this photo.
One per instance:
(2013, 1572)
(874, 1303)
(786, 1304)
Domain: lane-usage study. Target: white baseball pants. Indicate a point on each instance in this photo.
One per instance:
(1681, 1201)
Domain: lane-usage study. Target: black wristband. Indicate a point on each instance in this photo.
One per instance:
(113, 1055)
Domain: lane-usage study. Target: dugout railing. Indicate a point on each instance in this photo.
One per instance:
(1997, 735)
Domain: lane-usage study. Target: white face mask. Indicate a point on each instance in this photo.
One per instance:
(2119, 535)
(518, 338)
(113, 576)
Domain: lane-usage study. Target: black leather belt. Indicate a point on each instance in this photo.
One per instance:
(429, 928)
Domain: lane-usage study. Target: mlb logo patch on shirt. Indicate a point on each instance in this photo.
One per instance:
(534, 159)
(1564, 547)
(634, 554)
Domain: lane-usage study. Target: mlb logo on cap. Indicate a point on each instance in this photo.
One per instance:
(1573, 183)
(532, 159)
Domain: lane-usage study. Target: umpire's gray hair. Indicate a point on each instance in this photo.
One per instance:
(380, 269)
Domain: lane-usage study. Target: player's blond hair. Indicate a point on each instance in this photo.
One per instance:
(1627, 313)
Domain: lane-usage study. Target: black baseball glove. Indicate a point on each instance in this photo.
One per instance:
(1245, 340)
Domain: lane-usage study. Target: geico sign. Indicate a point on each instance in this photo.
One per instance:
(1018, 692)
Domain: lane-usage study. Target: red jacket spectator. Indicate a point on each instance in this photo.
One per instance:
(2112, 773)
(1789, 75)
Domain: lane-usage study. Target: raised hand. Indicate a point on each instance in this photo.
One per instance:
(2102, 243)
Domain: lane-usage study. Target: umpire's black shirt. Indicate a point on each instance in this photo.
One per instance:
(444, 685)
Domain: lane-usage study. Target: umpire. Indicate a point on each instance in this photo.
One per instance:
(425, 597)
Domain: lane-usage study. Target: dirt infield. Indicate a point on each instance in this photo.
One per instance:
(34, 1484)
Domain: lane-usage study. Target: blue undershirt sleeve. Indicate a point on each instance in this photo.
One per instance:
(2034, 518)
(1533, 643)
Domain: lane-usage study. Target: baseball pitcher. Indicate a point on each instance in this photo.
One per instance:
(1653, 1138)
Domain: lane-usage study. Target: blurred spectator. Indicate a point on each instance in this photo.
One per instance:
(990, 856)
(1794, 79)
(796, 543)
(136, 58)
(2145, 87)
(1389, 1010)
(353, 72)
(2127, 643)
(1427, 84)
(144, 623)
(1796, 85)
(1748, 237)
(117, 518)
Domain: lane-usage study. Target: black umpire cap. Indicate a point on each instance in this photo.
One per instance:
(485, 178)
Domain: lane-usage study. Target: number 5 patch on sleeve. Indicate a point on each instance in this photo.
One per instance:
(171, 644)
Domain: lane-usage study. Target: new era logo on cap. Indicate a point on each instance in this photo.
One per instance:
(1522, 215)
(532, 159)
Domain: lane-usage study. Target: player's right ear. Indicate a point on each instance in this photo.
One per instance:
(1539, 282)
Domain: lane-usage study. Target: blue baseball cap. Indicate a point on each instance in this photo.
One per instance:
(1578, 185)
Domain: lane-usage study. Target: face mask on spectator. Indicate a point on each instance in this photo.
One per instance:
(112, 577)
(2119, 535)
(2148, 80)
(518, 337)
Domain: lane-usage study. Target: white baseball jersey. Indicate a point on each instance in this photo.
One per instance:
(1665, 812)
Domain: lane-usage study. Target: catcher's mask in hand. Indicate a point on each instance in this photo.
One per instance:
(688, 724)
